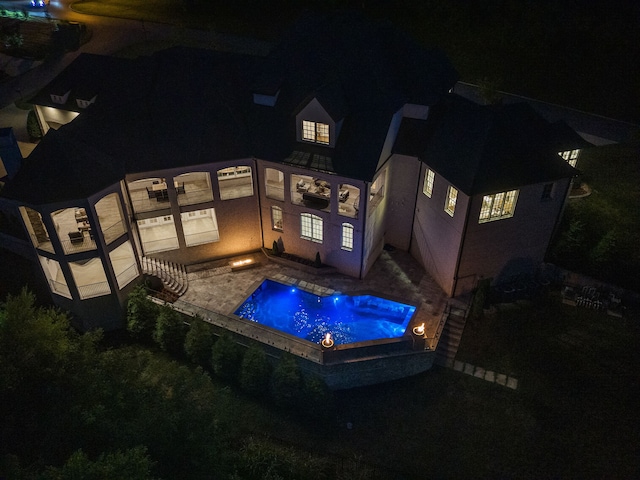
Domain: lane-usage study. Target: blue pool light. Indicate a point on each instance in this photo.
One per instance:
(348, 319)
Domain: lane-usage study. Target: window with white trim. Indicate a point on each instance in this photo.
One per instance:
(276, 218)
(498, 206)
(450, 203)
(571, 156)
(429, 177)
(311, 227)
(315, 132)
(347, 237)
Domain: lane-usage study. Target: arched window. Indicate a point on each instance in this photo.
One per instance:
(347, 237)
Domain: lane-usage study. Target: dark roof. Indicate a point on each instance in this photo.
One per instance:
(484, 149)
(84, 78)
(160, 118)
(359, 71)
(185, 107)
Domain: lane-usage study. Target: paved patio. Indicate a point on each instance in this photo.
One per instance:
(395, 275)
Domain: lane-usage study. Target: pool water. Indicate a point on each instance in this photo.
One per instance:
(347, 318)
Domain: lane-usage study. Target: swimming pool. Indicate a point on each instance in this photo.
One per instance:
(347, 318)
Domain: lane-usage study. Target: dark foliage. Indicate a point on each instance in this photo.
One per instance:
(198, 342)
(170, 330)
(255, 372)
(226, 357)
(286, 382)
(142, 314)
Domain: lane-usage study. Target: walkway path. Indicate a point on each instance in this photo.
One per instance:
(488, 375)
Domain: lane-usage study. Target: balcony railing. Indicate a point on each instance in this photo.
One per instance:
(275, 191)
(201, 238)
(114, 231)
(126, 276)
(191, 195)
(144, 204)
(59, 288)
(83, 244)
(46, 246)
(94, 290)
(160, 245)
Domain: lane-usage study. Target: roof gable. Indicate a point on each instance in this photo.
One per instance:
(484, 149)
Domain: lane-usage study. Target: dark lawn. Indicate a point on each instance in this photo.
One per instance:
(574, 413)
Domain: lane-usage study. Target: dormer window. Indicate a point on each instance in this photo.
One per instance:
(315, 132)
(60, 99)
(571, 156)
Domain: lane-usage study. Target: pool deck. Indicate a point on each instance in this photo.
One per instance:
(395, 275)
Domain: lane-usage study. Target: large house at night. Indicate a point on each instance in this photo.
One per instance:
(345, 138)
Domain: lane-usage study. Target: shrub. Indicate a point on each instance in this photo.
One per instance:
(286, 382)
(318, 262)
(198, 342)
(226, 357)
(255, 371)
(480, 299)
(169, 332)
(274, 249)
(142, 314)
(33, 127)
(258, 458)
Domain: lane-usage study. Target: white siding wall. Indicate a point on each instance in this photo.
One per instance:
(403, 183)
(502, 248)
(436, 235)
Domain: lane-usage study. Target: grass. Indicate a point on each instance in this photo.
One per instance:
(600, 233)
(573, 415)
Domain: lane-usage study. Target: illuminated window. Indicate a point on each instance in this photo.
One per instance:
(452, 196)
(427, 188)
(315, 132)
(571, 156)
(274, 183)
(347, 237)
(498, 206)
(311, 227)
(235, 182)
(276, 217)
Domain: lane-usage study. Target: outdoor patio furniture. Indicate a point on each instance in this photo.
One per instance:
(302, 186)
(76, 237)
(81, 215)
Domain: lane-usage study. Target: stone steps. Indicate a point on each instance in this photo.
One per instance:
(450, 337)
(173, 275)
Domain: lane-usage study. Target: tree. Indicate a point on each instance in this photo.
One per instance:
(286, 382)
(170, 330)
(255, 371)
(198, 342)
(226, 357)
(142, 314)
(131, 464)
(35, 343)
